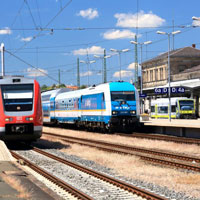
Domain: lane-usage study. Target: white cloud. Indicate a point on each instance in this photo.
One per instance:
(196, 23)
(117, 34)
(89, 73)
(91, 50)
(144, 20)
(27, 39)
(132, 67)
(124, 73)
(89, 13)
(5, 31)
(36, 72)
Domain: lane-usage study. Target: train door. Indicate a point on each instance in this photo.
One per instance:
(52, 109)
(102, 106)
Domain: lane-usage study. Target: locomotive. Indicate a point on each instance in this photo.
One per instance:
(109, 106)
(20, 109)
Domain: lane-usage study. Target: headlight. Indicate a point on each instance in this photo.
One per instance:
(29, 118)
(8, 119)
(133, 112)
(114, 112)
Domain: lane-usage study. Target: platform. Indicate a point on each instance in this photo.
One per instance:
(178, 127)
(187, 123)
(4, 153)
(12, 173)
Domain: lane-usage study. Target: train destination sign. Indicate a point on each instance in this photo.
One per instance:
(173, 90)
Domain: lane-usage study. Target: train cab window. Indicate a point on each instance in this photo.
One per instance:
(17, 97)
(186, 105)
(123, 96)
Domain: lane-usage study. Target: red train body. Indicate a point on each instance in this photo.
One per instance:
(20, 109)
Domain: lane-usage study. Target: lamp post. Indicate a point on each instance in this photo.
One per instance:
(88, 62)
(169, 80)
(103, 59)
(119, 53)
(141, 77)
(2, 59)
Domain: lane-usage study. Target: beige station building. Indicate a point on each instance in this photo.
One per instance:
(184, 73)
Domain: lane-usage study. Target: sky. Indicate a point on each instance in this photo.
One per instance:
(44, 37)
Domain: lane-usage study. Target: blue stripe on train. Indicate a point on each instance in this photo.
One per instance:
(104, 119)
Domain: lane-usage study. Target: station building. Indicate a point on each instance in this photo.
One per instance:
(184, 72)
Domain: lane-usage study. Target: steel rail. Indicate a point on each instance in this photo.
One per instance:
(131, 150)
(78, 194)
(163, 137)
(141, 192)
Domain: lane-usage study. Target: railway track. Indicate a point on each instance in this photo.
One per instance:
(138, 192)
(160, 157)
(163, 138)
(167, 138)
(76, 193)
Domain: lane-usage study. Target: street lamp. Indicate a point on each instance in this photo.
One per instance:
(119, 53)
(169, 88)
(88, 62)
(141, 78)
(102, 58)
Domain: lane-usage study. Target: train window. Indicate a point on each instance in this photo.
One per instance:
(186, 104)
(46, 97)
(163, 109)
(123, 96)
(17, 97)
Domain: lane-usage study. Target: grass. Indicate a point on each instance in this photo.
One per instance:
(192, 150)
(133, 167)
(16, 184)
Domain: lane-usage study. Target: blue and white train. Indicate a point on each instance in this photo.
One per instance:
(108, 106)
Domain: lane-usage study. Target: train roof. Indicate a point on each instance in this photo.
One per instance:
(163, 101)
(15, 80)
(113, 86)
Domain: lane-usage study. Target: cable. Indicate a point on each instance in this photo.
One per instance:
(26, 1)
(39, 34)
(38, 12)
(19, 11)
(31, 65)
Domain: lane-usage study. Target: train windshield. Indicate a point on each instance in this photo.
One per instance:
(17, 97)
(123, 96)
(186, 105)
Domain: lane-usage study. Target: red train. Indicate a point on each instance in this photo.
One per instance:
(20, 109)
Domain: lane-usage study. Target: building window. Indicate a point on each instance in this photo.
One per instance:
(156, 74)
(151, 75)
(161, 74)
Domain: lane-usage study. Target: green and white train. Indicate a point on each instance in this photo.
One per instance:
(181, 108)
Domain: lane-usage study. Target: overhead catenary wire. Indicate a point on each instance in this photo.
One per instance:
(26, 1)
(31, 65)
(39, 34)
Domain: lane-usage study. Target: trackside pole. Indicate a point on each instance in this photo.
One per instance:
(2, 60)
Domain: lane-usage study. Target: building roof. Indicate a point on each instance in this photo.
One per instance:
(190, 84)
(192, 69)
(182, 52)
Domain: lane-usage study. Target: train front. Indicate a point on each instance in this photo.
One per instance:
(21, 111)
(124, 106)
